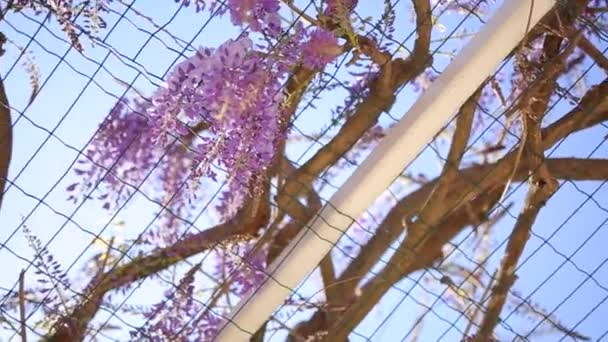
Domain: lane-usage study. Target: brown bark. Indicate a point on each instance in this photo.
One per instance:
(592, 51)
(6, 132)
(541, 187)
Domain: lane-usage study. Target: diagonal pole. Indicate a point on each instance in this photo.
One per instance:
(478, 60)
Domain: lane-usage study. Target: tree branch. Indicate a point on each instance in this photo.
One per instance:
(541, 187)
(328, 274)
(537, 196)
(592, 109)
(592, 51)
(453, 224)
(242, 224)
(421, 57)
(434, 200)
(381, 97)
(139, 268)
(540, 190)
(23, 331)
(6, 131)
(421, 233)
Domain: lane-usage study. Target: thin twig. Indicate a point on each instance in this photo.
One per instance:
(301, 13)
(477, 308)
(555, 65)
(23, 330)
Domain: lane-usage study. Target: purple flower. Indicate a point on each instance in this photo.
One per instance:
(339, 7)
(238, 92)
(118, 153)
(179, 317)
(63, 11)
(247, 270)
(234, 90)
(199, 4)
(320, 49)
(258, 14)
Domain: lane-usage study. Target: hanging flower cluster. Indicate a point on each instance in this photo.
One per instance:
(166, 319)
(245, 265)
(238, 93)
(121, 153)
(259, 15)
(66, 11)
(235, 91)
(339, 7)
(321, 48)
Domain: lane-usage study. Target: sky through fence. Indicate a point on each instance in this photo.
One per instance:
(561, 278)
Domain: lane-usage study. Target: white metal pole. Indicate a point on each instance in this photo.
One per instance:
(401, 145)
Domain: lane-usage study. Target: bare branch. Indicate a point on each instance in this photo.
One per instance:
(421, 57)
(6, 131)
(538, 194)
(434, 204)
(388, 230)
(240, 226)
(423, 234)
(591, 110)
(592, 51)
(328, 274)
(23, 331)
(401, 263)
(474, 180)
(477, 308)
(380, 98)
(541, 188)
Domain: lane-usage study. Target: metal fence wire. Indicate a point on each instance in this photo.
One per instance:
(495, 232)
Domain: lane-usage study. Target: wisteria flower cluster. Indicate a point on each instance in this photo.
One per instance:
(166, 319)
(339, 7)
(259, 15)
(235, 91)
(66, 11)
(121, 152)
(231, 89)
(320, 49)
(246, 267)
(220, 114)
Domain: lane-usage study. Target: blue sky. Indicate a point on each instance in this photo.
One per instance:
(71, 106)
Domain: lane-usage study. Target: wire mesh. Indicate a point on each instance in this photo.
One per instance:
(445, 293)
